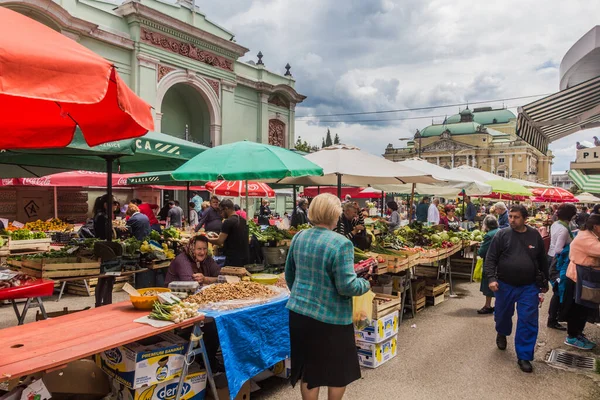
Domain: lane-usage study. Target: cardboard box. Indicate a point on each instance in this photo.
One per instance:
(283, 369)
(379, 330)
(372, 355)
(150, 361)
(194, 388)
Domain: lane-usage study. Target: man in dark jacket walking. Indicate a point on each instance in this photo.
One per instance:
(517, 269)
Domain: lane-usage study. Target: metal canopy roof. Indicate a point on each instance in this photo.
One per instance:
(560, 114)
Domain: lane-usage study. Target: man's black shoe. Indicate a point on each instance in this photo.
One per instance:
(501, 342)
(526, 366)
(556, 325)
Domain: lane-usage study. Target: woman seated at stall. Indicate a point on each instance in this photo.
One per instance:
(194, 264)
(394, 221)
(450, 220)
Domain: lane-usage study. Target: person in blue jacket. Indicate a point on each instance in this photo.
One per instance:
(490, 226)
(502, 212)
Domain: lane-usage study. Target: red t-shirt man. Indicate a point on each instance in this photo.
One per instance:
(146, 209)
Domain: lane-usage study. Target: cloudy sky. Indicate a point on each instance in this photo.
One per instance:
(372, 55)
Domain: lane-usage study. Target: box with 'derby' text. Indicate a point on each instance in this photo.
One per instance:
(145, 363)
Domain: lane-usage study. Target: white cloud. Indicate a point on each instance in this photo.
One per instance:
(359, 55)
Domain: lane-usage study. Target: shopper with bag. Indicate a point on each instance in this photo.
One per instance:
(490, 227)
(320, 274)
(582, 287)
(560, 236)
(517, 270)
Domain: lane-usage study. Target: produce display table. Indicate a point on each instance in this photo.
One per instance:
(31, 290)
(63, 281)
(53, 343)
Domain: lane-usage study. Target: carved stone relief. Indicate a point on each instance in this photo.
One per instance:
(276, 133)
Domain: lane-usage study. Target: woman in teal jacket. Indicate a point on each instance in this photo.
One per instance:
(490, 226)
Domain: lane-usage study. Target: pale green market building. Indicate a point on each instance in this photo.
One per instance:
(186, 67)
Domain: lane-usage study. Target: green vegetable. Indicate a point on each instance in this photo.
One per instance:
(171, 233)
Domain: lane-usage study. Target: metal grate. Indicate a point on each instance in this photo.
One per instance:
(571, 360)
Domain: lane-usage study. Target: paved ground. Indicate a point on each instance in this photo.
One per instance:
(450, 354)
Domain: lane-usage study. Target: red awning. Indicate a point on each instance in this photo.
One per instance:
(70, 179)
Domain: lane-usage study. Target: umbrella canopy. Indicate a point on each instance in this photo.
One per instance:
(159, 178)
(566, 200)
(589, 183)
(586, 197)
(554, 194)
(50, 84)
(152, 152)
(238, 189)
(453, 181)
(69, 179)
(358, 168)
(246, 161)
(313, 191)
(508, 187)
(484, 176)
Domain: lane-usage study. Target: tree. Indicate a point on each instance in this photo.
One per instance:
(336, 139)
(328, 141)
(574, 189)
(303, 145)
(323, 144)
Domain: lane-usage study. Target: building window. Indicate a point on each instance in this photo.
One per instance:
(500, 160)
(483, 139)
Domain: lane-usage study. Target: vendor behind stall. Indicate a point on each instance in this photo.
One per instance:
(233, 237)
(352, 225)
(194, 264)
(211, 219)
(138, 223)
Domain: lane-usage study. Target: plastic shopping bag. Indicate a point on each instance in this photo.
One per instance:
(362, 310)
(478, 273)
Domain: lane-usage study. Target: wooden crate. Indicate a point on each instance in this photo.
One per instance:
(32, 244)
(418, 288)
(60, 267)
(420, 304)
(435, 300)
(435, 287)
(426, 271)
(383, 309)
(78, 288)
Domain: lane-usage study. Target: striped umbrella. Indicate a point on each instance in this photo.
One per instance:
(589, 183)
(238, 189)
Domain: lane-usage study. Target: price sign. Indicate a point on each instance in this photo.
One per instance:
(17, 224)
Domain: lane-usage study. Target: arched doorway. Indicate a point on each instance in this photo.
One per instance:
(185, 114)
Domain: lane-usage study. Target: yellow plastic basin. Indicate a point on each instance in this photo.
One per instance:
(146, 302)
(265, 279)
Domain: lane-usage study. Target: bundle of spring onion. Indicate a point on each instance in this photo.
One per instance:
(177, 312)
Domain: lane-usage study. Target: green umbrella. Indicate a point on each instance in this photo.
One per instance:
(160, 178)
(246, 160)
(152, 152)
(508, 187)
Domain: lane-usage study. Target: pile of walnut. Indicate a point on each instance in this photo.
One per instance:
(231, 291)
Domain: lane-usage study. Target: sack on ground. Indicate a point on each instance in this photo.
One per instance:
(362, 310)
(478, 273)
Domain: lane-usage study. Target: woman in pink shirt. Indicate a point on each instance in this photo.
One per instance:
(240, 212)
(585, 251)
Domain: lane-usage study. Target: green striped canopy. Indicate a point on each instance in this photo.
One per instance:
(588, 183)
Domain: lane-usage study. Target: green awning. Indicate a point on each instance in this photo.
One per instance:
(588, 183)
(151, 152)
(159, 178)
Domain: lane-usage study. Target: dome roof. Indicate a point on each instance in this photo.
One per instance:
(485, 116)
(466, 111)
(462, 128)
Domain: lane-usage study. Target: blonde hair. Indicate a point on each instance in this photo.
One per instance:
(325, 209)
(204, 205)
(132, 209)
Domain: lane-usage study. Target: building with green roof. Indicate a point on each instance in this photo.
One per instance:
(483, 137)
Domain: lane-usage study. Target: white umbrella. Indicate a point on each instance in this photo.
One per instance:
(586, 197)
(485, 176)
(452, 182)
(353, 167)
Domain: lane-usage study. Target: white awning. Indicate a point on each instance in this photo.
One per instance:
(560, 114)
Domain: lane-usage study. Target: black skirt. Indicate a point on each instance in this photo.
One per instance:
(322, 354)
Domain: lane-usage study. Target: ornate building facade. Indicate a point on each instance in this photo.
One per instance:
(483, 138)
(186, 67)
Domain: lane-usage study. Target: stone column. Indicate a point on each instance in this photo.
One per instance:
(291, 126)
(226, 132)
(474, 161)
(452, 160)
(493, 168)
(158, 121)
(262, 135)
(510, 157)
(438, 160)
(146, 72)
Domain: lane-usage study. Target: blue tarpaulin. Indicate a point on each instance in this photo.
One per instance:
(252, 339)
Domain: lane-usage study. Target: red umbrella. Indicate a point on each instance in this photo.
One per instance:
(50, 83)
(566, 200)
(69, 179)
(554, 194)
(313, 191)
(238, 189)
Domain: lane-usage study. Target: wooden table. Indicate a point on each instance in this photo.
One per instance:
(53, 343)
(63, 281)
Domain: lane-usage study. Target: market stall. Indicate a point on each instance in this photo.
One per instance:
(14, 286)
